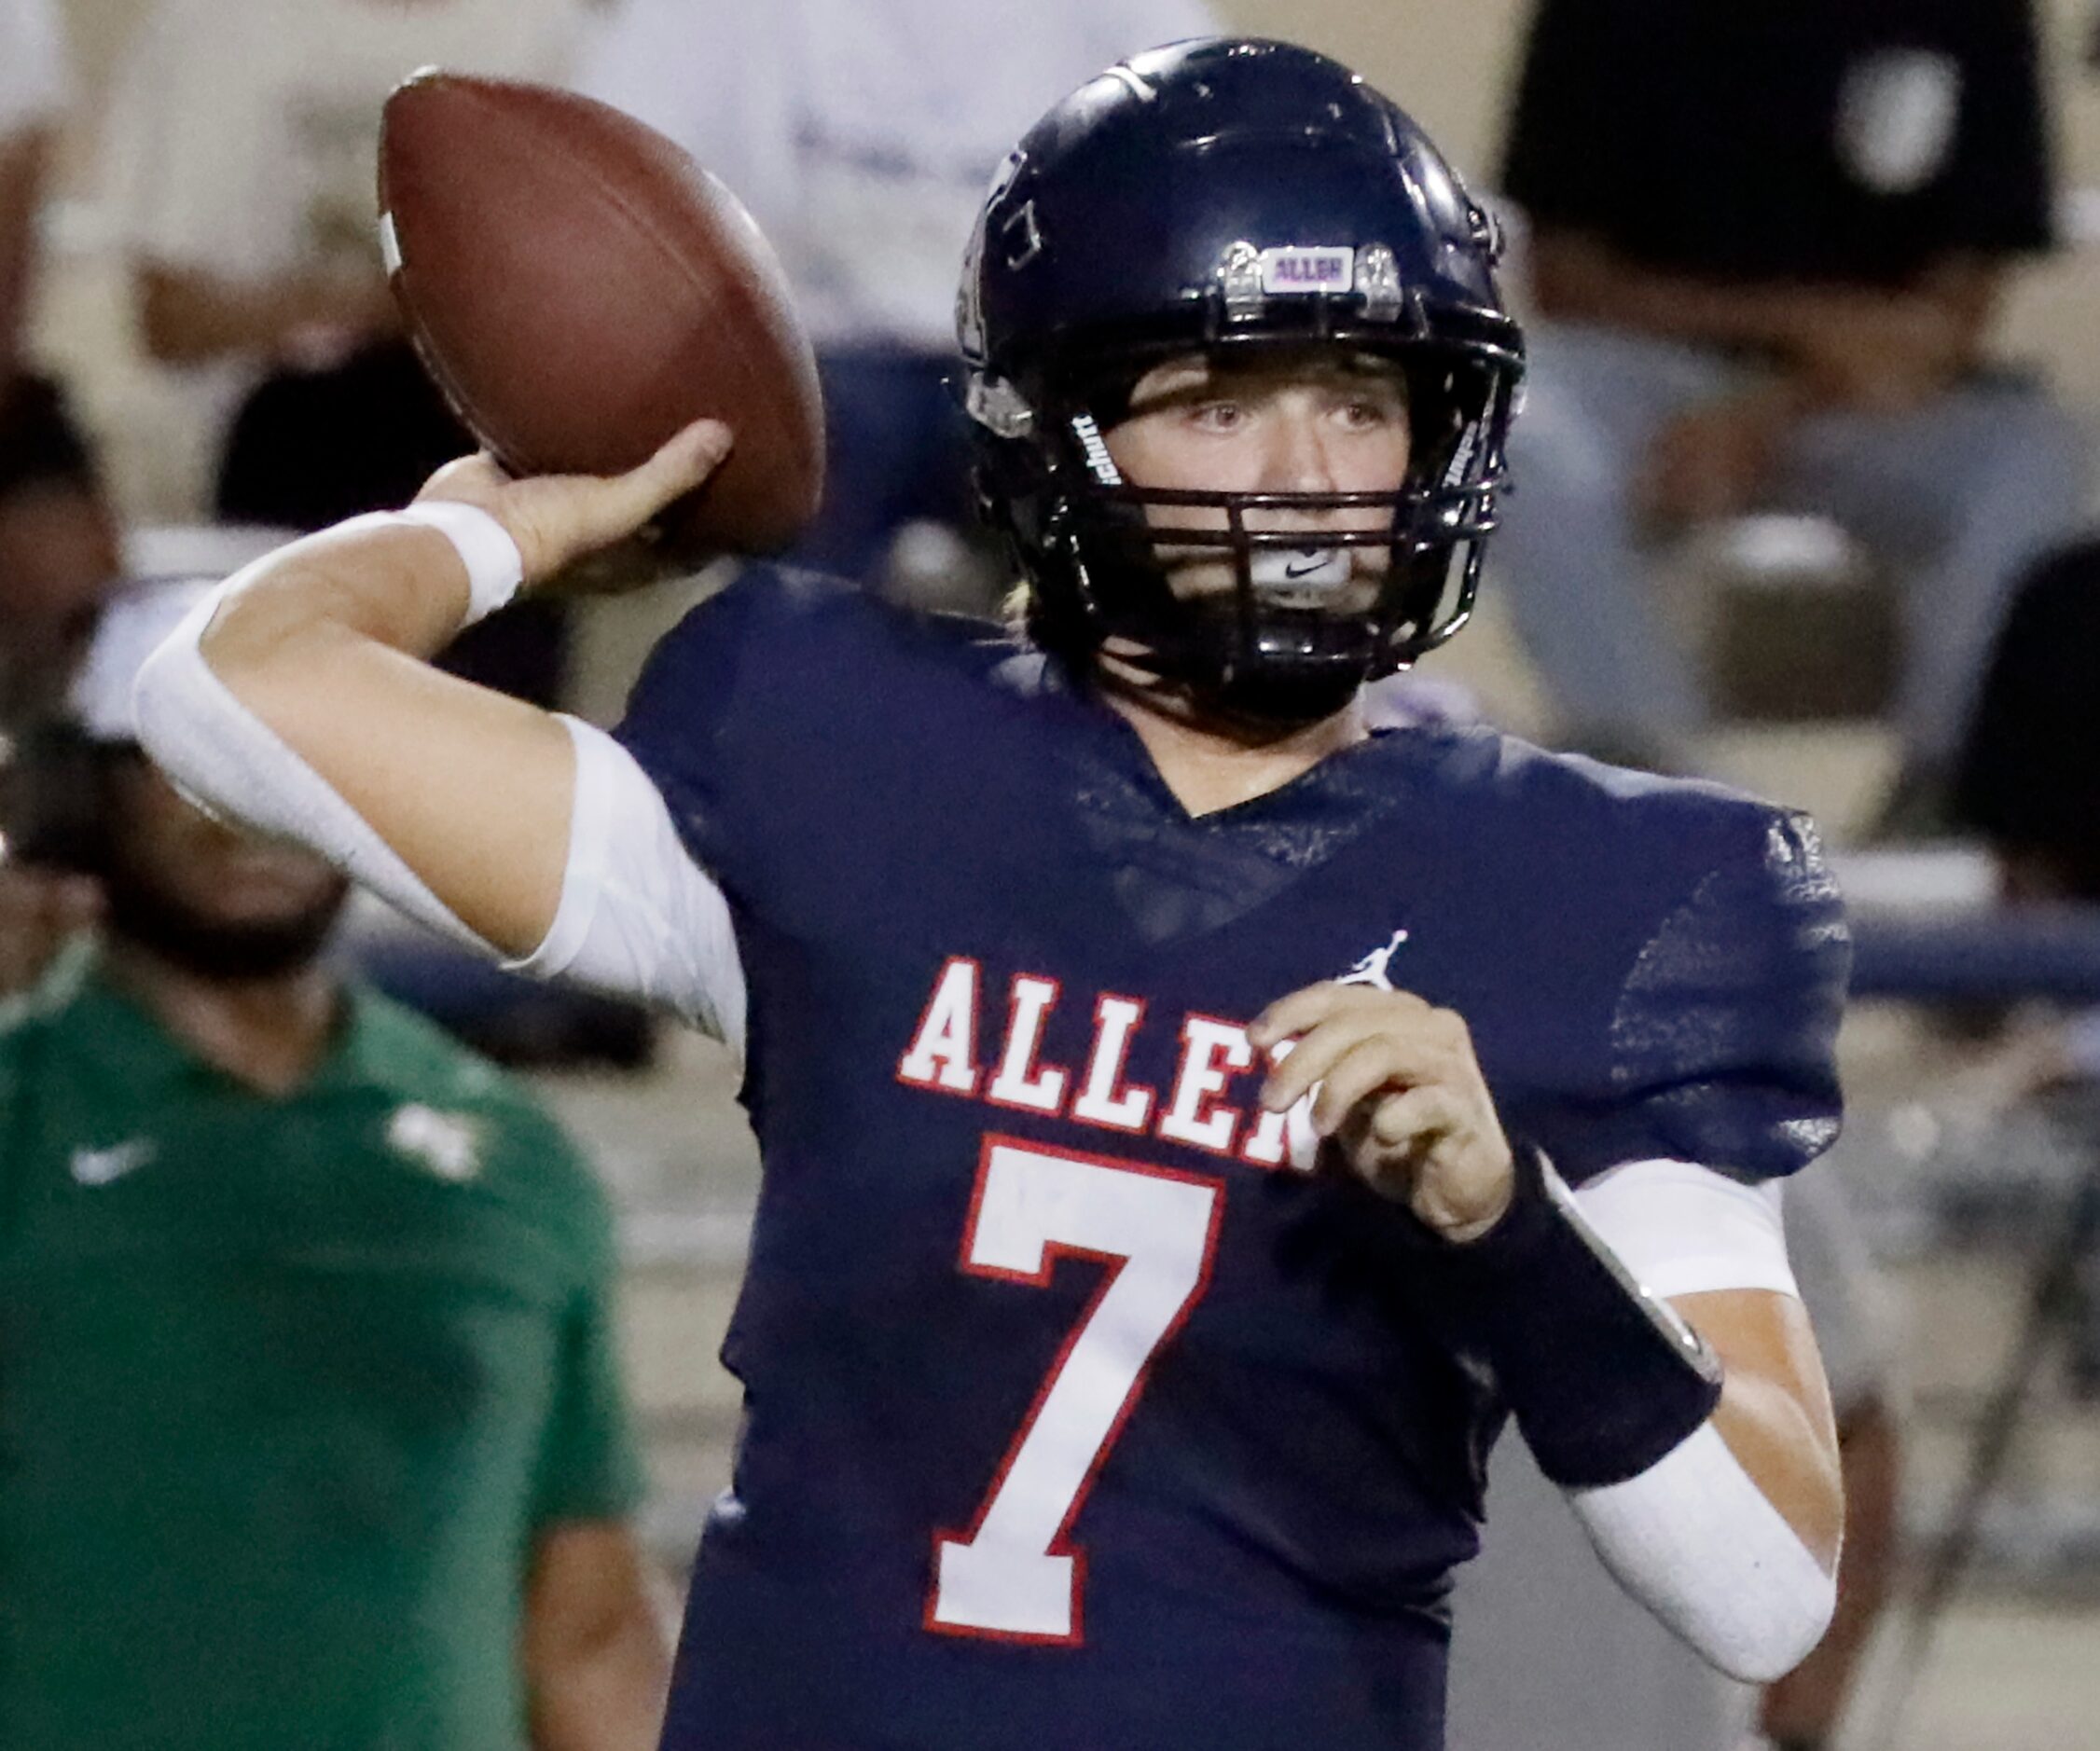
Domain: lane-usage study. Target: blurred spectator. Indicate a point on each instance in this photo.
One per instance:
(314, 1429)
(58, 559)
(862, 134)
(2030, 776)
(2029, 784)
(239, 165)
(1547, 1649)
(1767, 244)
(59, 548)
(31, 93)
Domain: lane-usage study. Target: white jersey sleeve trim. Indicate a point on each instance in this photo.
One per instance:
(638, 915)
(1681, 1229)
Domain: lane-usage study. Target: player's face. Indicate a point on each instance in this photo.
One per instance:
(219, 901)
(1315, 419)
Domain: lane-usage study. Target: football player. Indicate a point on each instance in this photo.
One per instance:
(1170, 1091)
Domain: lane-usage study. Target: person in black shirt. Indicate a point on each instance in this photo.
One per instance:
(1768, 242)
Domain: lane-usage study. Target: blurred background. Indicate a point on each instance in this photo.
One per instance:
(221, 331)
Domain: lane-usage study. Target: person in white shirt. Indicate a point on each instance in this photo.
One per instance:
(237, 174)
(862, 134)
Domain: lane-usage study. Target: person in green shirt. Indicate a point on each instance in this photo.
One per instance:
(311, 1432)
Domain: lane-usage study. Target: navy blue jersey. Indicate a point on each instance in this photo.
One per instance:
(1082, 1410)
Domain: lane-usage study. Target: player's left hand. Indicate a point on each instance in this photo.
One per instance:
(1401, 1095)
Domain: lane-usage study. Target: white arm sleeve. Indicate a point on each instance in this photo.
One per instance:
(1692, 1538)
(227, 757)
(637, 916)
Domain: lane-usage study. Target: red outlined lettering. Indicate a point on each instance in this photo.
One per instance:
(1015, 1575)
(1019, 1083)
(1106, 1100)
(943, 1053)
(1197, 1114)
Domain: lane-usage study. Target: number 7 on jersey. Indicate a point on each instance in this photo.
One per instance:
(1013, 1576)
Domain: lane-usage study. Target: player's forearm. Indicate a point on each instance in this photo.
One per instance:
(402, 587)
(303, 706)
(1639, 1420)
(1775, 1440)
(1775, 1410)
(1732, 1537)
(306, 696)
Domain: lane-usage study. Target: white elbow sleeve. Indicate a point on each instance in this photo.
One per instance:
(1696, 1541)
(231, 761)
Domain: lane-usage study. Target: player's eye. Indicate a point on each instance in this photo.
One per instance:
(1367, 413)
(1217, 416)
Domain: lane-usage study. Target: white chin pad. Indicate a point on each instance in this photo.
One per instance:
(1310, 569)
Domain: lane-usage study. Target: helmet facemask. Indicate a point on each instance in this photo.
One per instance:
(1272, 607)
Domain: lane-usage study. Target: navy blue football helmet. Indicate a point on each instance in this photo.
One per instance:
(1211, 197)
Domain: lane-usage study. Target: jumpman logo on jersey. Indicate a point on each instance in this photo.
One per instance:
(1371, 970)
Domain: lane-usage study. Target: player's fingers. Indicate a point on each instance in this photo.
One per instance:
(1372, 1064)
(557, 519)
(1294, 1014)
(678, 467)
(1392, 1140)
(1411, 1119)
(1300, 1062)
(1411, 1026)
(1308, 1007)
(592, 512)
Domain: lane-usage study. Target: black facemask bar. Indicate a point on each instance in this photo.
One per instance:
(1123, 563)
(1100, 569)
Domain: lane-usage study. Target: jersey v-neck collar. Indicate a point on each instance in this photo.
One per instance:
(1177, 874)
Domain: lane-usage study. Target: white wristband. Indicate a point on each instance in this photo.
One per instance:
(494, 567)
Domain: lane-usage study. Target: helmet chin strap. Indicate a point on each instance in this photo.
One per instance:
(1271, 708)
(1267, 698)
(1279, 701)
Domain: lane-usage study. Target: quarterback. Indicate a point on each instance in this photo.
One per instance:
(1194, 1123)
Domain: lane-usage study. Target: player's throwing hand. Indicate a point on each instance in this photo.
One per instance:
(1397, 1086)
(556, 520)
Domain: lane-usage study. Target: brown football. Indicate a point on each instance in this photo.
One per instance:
(581, 290)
